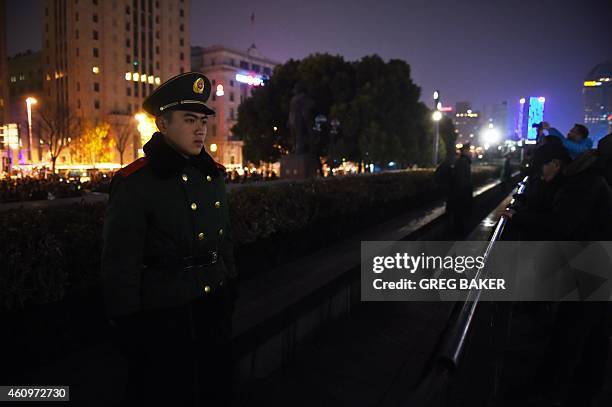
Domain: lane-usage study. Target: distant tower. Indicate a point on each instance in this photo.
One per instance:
(597, 97)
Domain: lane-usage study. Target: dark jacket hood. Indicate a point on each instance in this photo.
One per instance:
(167, 162)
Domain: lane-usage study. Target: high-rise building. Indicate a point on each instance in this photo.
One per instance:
(26, 81)
(531, 111)
(597, 94)
(233, 74)
(467, 123)
(497, 114)
(101, 59)
(4, 92)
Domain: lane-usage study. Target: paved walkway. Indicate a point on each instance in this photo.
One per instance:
(375, 357)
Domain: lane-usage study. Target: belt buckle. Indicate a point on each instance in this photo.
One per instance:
(214, 256)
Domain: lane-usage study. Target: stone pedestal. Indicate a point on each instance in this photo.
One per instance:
(298, 166)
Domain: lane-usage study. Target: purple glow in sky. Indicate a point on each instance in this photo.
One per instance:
(482, 51)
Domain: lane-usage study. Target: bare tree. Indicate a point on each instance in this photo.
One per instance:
(57, 127)
(123, 133)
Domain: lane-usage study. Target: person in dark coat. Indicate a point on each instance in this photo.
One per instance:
(506, 174)
(579, 205)
(461, 191)
(168, 270)
(454, 177)
(578, 208)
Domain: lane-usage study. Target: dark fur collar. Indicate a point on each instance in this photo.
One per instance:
(167, 162)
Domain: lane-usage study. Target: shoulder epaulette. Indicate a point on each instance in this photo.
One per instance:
(220, 167)
(133, 167)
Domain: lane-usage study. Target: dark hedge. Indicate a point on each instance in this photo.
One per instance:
(47, 254)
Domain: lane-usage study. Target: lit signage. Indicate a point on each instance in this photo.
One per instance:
(589, 84)
(249, 79)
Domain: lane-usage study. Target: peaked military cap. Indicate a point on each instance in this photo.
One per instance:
(187, 91)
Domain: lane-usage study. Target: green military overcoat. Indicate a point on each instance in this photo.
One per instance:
(162, 207)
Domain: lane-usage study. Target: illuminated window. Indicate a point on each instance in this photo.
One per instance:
(128, 76)
(95, 70)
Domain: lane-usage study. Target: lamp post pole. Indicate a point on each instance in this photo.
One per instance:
(29, 102)
(437, 115)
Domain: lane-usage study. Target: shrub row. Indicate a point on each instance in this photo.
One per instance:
(48, 253)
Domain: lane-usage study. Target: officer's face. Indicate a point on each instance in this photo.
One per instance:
(186, 131)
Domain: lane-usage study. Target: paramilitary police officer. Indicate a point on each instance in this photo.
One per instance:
(167, 261)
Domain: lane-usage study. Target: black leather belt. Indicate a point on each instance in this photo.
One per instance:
(188, 262)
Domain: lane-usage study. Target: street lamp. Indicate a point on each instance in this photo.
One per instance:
(437, 116)
(333, 132)
(29, 102)
(334, 124)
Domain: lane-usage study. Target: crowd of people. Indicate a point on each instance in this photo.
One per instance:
(34, 189)
(568, 195)
(569, 198)
(49, 188)
(453, 175)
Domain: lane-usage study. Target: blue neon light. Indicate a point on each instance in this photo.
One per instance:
(536, 115)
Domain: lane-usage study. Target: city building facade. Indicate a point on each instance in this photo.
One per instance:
(26, 81)
(101, 59)
(467, 123)
(233, 74)
(497, 115)
(597, 96)
(4, 92)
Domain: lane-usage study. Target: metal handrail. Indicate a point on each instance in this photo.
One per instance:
(454, 342)
(448, 354)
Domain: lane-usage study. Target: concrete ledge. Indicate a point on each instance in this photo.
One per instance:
(278, 310)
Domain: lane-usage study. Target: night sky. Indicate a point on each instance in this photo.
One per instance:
(482, 51)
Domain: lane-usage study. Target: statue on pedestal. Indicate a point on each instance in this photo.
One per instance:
(302, 162)
(300, 120)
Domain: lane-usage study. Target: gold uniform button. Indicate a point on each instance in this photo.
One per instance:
(206, 289)
(208, 178)
(194, 206)
(217, 204)
(185, 177)
(220, 232)
(201, 236)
